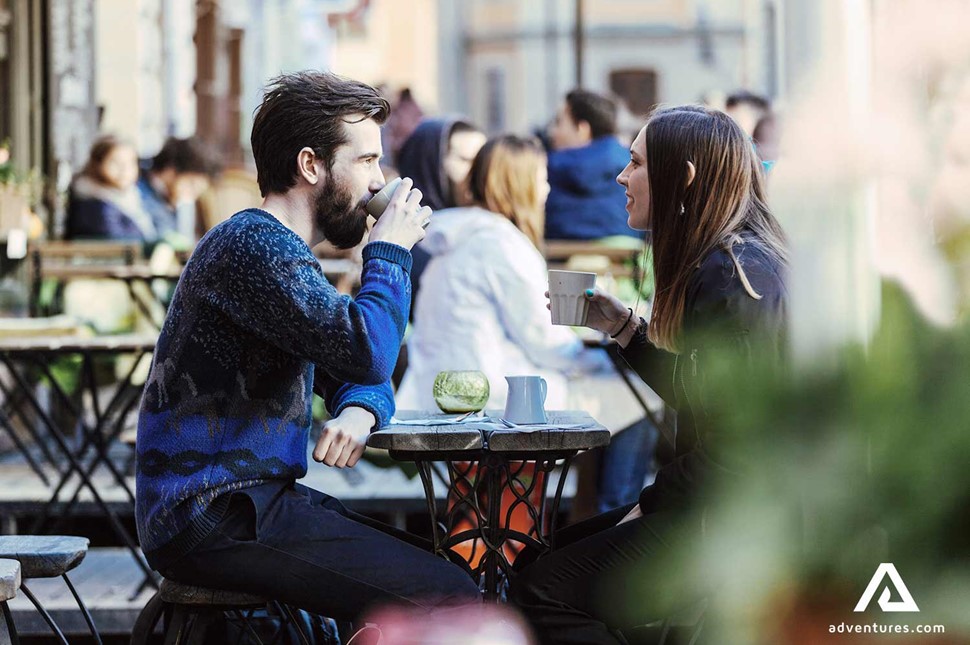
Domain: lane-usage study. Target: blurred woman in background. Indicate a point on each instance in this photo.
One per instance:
(103, 202)
(480, 306)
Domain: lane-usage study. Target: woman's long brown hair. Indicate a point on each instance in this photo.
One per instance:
(726, 196)
(503, 179)
(100, 149)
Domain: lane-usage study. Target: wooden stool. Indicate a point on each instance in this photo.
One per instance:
(187, 612)
(48, 556)
(9, 584)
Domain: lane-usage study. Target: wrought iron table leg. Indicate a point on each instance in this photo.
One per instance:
(11, 628)
(427, 480)
(144, 307)
(43, 613)
(557, 500)
(9, 394)
(21, 447)
(494, 469)
(84, 610)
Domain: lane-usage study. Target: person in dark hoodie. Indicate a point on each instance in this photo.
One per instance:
(437, 157)
(585, 203)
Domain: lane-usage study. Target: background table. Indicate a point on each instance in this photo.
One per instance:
(21, 356)
(485, 461)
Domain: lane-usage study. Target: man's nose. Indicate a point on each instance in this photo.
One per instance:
(377, 181)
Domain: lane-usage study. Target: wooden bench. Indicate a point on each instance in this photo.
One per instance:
(45, 257)
(47, 556)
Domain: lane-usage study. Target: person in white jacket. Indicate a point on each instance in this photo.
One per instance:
(481, 306)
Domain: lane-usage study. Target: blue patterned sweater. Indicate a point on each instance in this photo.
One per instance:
(253, 331)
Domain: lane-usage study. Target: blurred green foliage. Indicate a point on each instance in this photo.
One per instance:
(834, 472)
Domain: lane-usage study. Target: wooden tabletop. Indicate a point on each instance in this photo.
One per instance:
(44, 556)
(66, 344)
(566, 431)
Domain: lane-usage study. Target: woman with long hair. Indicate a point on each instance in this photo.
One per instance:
(480, 306)
(103, 202)
(720, 265)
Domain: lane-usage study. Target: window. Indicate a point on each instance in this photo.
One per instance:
(495, 99)
(637, 87)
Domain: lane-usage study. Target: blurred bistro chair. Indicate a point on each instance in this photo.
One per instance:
(235, 190)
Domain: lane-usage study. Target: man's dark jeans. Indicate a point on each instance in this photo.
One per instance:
(303, 548)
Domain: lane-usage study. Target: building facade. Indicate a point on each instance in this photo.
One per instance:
(507, 64)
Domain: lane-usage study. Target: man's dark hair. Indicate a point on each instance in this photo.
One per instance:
(307, 109)
(190, 155)
(596, 110)
(742, 97)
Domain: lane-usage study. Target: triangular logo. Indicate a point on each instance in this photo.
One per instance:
(906, 604)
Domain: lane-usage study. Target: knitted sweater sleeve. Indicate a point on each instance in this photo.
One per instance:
(376, 399)
(272, 286)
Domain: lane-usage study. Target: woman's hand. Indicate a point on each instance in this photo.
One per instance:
(606, 313)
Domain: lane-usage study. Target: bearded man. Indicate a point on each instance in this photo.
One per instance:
(253, 331)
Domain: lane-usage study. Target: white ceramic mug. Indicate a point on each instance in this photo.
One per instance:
(379, 202)
(527, 399)
(567, 297)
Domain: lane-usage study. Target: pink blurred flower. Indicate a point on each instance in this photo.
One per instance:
(482, 625)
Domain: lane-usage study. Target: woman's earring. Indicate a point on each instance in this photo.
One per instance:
(682, 211)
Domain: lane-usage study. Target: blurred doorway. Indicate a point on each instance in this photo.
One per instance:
(637, 88)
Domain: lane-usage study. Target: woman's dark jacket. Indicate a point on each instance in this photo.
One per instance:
(95, 219)
(719, 314)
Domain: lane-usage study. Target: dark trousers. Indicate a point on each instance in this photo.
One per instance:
(302, 547)
(598, 578)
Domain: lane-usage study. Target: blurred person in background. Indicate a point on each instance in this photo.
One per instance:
(179, 174)
(584, 201)
(747, 108)
(437, 157)
(720, 261)
(766, 137)
(405, 117)
(103, 202)
(480, 307)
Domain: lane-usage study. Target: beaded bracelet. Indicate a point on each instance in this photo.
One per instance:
(625, 323)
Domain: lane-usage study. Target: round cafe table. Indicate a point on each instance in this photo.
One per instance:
(486, 460)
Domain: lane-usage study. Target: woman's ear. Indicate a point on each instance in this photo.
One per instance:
(691, 173)
(307, 167)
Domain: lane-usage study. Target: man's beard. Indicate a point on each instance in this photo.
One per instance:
(342, 222)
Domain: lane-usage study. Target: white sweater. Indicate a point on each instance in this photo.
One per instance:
(482, 307)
